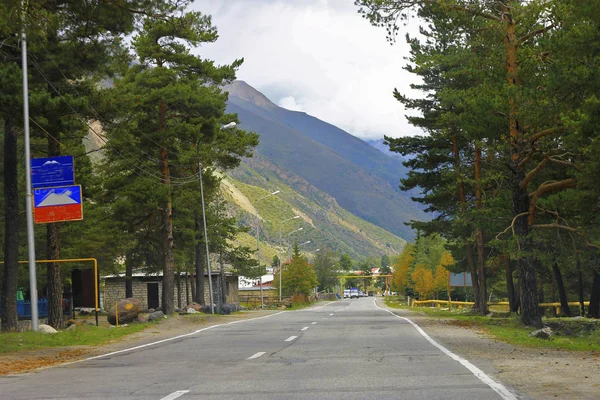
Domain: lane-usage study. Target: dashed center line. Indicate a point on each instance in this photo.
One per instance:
(252, 357)
(175, 395)
(291, 338)
(305, 328)
(331, 314)
(313, 323)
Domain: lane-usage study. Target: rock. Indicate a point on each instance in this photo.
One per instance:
(128, 311)
(73, 322)
(227, 309)
(72, 327)
(156, 315)
(490, 315)
(46, 329)
(206, 309)
(141, 319)
(544, 333)
(197, 307)
(577, 318)
(178, 310)
(151, 310)
(191, 311)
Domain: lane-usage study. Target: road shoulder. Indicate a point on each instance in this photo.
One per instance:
(28, 361)
(535, 373)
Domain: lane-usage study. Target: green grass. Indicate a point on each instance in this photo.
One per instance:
(582, 335)
(85, 335)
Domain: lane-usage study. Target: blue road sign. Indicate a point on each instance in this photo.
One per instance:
(57, 204)
(52, 171)
(57, 196)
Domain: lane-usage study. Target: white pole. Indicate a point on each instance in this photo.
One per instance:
(210, 290)
(28, 195)
(258, 258)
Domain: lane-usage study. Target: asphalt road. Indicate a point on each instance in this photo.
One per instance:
(348, 349)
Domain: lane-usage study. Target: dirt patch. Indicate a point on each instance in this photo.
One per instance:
(535, 373)
(25, 361)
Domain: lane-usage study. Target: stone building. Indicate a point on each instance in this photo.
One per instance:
(147, 288)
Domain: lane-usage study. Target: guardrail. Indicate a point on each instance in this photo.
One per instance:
(557, 306)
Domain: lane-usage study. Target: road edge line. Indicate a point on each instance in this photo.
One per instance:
(165, 340)
(496, 386)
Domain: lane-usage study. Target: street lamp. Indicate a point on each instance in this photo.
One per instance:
(258, 246)
(210, 289)
(281, 243)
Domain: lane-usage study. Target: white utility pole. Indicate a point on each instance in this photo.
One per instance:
(28, 195)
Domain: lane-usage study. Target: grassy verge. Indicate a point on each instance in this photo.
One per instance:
(583, 335)
(84, 335)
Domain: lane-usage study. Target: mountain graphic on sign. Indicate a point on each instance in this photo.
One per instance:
(51, 162)
(54, 199)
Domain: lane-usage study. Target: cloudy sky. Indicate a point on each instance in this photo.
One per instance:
(317, 56)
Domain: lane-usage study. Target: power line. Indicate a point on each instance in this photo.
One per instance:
(173, 180)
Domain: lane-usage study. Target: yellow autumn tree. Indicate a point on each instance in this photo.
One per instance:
(401, 268)
(422, 279)
(440, 280)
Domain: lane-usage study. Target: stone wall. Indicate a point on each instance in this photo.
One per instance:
(114, 290)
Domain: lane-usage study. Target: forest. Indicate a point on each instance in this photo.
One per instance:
(508, 167)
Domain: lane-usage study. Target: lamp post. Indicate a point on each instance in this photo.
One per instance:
(262, 306)
(210, 289)
(281, 243)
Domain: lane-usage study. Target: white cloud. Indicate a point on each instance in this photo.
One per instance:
(318, 56)
(290, 103)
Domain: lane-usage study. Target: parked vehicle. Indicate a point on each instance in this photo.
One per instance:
(354, 293)
(347, 293)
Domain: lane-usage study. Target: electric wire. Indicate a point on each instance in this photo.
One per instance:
(175, 181)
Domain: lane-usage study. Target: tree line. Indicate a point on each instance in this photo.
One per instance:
(509, 163)
(121, 86)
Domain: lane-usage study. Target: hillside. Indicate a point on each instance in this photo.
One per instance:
(360, 178)
(324, 222)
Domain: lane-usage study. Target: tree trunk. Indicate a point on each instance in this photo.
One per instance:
(11, 230)
(594, 307)
(463, 206)
(178, 279)
(168, 291)
(54, 288)
(187, 288)
(223, 285)
(580, 287)
(481, 273)
(199, 296)
(128, 275)
(510, 285)
(562, 293)
(530, 313)
(193, 288)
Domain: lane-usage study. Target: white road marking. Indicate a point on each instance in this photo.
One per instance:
(331, 314)
(482, 376)
(175, 395)
(260, 353)
(313, 323)
(305, 328)
(169, 339)
(291, 338)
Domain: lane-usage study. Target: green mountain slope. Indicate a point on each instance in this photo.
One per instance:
(324, 222)
(360, 178)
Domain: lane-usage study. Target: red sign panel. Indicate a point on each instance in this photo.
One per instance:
(71, 212)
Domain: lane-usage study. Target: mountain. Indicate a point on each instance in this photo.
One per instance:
(315, 158)
(384, 148)
(324, 223)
